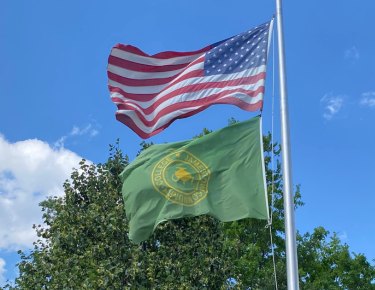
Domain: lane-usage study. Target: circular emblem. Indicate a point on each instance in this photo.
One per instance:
(181, 178)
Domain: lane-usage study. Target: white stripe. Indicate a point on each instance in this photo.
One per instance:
(137, 75)
(211, 79)
(186, 96)
(163, 120)
(149, 75)
(190, 81)
(149, 60)
(244, 97)
(197, 65)
(152, 89)
(166, 118)
(137, 90)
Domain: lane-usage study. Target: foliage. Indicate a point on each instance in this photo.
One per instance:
(328, 264)
(84, 245)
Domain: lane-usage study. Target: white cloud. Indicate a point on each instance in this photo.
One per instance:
(343, 236)
(30, 171)
(89, 130)
(77, 131)
(352, 53)
(368, 99)
(2, 271)
(332, 105)
(60, 142)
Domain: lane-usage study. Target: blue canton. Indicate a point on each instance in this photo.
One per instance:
(244, 51)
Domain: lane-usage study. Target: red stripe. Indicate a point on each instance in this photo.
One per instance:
(126, 120)
(188, 103)
(149, 82)
(209, 85)
(135, 97)
(139, 83)
(160, 55)
(173, 90)
(204, 102)
(193, 88)
(130, 123)
(143, 67)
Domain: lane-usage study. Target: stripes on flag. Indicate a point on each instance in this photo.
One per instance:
(152, 91)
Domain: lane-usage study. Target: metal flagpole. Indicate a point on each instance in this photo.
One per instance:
(290, 232)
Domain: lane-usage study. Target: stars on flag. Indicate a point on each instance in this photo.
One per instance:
(244, 51)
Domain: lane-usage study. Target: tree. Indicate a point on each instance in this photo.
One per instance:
(83, 244)
(327, 263)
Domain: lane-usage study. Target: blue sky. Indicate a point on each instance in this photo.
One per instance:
(55, 106)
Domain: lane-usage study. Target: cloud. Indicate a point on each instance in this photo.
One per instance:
(2, 271)
(352, 53)
(332, 105)
(89, 130)
(30, 170)
(343, 236)
(368, 99)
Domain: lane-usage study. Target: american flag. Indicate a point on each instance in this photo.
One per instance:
(151, 91)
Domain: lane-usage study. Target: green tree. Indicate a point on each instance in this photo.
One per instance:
(83, 244)
(326, 263)
(250, 244)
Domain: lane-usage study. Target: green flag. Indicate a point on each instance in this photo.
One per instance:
(220, 174)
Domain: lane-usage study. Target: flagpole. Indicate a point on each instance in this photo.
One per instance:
(290, 232)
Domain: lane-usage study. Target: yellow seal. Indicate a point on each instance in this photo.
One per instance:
(181, 178)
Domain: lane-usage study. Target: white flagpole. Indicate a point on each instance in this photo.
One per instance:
(290, 232)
